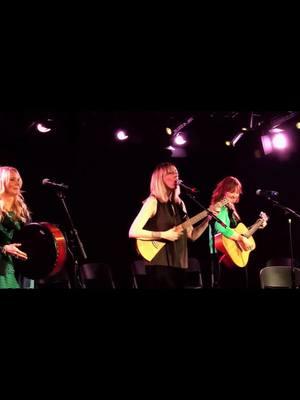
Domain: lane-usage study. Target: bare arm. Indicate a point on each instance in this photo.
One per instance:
(195, 233)
(199, 230)
(137, 230)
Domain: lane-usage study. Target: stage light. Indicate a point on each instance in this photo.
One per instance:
(42, 128)
(169, 131)
(276, 140)
(177, 152)
(43, 125)
(280, 141)
(178, 129)
(267, 144)
(235, 139)
(272, 137)
(276, 130)
(121, 135)
(179, 139)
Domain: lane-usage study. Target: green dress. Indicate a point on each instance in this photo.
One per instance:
(8, 226)
(229, 221)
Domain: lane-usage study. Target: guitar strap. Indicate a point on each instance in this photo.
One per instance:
(234, 217)
(178, 212)
(183, 213)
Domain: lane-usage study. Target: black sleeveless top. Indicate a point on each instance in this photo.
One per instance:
(174, 254)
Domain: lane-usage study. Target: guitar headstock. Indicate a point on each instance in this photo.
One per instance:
(217, 206)
(220, 204)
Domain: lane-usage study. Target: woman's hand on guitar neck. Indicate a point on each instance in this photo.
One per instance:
(172, 234)
(263, 225)
(264, 220)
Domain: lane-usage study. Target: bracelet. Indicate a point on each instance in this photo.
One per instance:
(2, 249)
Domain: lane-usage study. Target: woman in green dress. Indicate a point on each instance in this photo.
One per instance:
(13, 214)
(229, 189)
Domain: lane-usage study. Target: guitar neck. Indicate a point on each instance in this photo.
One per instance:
(254, 228)
(194, 220)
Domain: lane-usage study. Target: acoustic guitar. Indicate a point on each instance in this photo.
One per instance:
(148, 249)
(233, 253)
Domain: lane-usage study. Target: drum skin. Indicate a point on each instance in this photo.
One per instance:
(46, 248)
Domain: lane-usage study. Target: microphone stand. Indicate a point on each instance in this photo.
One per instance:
(288, 211)
(77, 250)
(214, 254)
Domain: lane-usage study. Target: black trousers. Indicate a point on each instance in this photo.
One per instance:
(228, 278)
(234, 278)
(164, 277)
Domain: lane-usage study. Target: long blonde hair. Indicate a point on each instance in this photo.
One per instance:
(157, 186)
(18, 207)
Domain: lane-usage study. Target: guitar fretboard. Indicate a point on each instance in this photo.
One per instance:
(194, 219)
(254, 228)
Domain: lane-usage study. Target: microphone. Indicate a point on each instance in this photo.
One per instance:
(191, 189)
(60, 186)
(266, 193)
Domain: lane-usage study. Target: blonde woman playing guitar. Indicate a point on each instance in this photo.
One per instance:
(162, 229)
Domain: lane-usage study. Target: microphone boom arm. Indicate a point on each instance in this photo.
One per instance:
(210, 213)
(286, 209)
